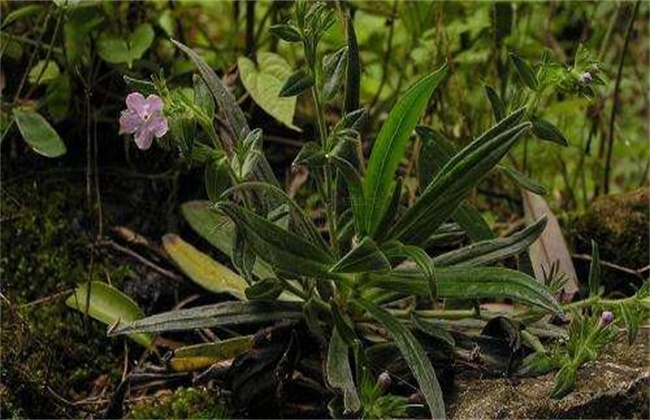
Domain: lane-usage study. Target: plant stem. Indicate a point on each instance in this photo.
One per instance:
(617, 89)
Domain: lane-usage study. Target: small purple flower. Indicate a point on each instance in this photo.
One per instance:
(606, 318)
(585, 78)
(384, 381)
(144, 118)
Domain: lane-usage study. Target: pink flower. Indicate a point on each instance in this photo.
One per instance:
(144, 118)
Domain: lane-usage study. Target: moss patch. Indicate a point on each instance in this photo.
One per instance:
(183, 403)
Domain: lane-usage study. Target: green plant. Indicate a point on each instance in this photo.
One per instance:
(374, 253)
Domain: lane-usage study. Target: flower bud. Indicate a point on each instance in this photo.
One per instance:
(606, 318)
(384, 381)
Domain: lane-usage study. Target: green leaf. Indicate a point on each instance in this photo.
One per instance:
(115, 49)
(594, 270)
(76, 30)
(525, 71)
(109, 306)
(441, 198)
(204, 355)
(21, 13)
(287, 33)
(490, 251)
(218, 230)
(219, 314)
(334, 70)
(57, 97)
(48, 72)
(283, 250)
(217, 178)
(498, 107)
(432, 330)
(38, 133)
(470, 219)
(565, 381)
(471, 283)
(202, 269)
(391, 211)
(203, 97)
(224, 99)
(356, 191)
(264, 83)
(339, 373)
(297, 83)
(631, 320)
(311, 154)
(414, 355)
(391, 143)
(342, 324)
(363, 258)
(353, 71)
(523, 181)
(266, 289)
(545, 130)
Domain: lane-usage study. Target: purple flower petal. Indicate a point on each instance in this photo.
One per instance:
(154, 104)
(136, 103)
(157, 125)
(143, 138)
(129, 122)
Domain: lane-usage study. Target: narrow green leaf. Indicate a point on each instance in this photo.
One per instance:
(21, 13)
(631, 320)
(433, 330)
(285, 32)
(545, 130)
(227, 104)
(334, 70)
(202, 269)
(218, 230)
(339, 372)
(38, 133)
(298, 82)
(441, 198)
(217, 178)
(490, 251)
(498, 107)
(356, 191)
(311, 155)
(203, 97)
(391, 211)
(204, 355)
(283, 250)
(594, 270)
(523, 181)
(266, 289)
(208, 316)
(342, 324)
(415, 357)
(525, 71)
(109, 306)
(363, 258)
(391, 143)
(471, 283)
(353, 71)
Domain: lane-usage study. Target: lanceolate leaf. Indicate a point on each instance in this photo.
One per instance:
(225, 313)
(334, 71)
(201, 356)
(296, 83)
(339, 373)
(353, 73)
(355, 189)
(525, 71)
(471, 283)
(414, 355)
(218, 230)
(283, 250)
(391, 143)
(364, 257)
(470, 219)
(234, 115)
(490, 251)
(549, 132)
(108, 305)
(203, 270)
(452, 184)
(498, 108)
(523, 181)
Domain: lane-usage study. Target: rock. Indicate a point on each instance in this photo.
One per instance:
(617, 385)
(619, 224)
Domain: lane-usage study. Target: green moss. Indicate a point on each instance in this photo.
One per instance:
(183, 403)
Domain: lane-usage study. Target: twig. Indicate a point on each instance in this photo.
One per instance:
(631, 271)
(47, 299)
(617, 89)
(141, 259)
